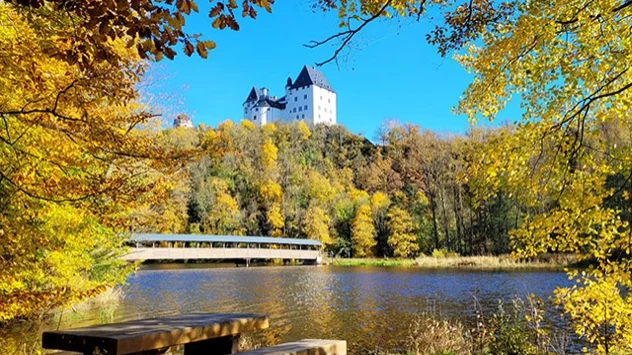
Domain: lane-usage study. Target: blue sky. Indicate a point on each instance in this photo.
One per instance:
(389, 73)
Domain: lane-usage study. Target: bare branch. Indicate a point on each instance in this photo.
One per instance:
(585, 103)
(346, 36)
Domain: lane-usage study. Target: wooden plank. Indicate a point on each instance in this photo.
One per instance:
(304, 347)
(154, 333)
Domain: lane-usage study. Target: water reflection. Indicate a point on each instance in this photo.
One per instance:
(369, 307)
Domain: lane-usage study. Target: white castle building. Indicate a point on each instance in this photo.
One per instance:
(309, 98)
(182, 121)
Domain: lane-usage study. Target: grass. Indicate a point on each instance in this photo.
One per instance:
(101, 306)
(371, 262)
(511, 329)
(504, 262)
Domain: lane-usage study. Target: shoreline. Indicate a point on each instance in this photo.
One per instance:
(460, 263)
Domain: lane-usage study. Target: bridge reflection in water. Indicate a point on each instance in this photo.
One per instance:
(221, 247)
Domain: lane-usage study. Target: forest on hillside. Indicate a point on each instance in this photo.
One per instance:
(408, 193)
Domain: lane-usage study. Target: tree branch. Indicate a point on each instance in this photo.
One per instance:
(346, 36)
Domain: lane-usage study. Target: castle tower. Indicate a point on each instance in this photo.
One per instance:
(311, 98)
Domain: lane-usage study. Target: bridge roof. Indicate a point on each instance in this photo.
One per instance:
(219, 239)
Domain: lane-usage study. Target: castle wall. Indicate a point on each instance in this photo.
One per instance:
(300, 104)
(324, 106)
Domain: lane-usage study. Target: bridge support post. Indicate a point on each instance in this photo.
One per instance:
(247, 262)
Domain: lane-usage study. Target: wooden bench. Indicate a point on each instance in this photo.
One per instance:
(304, 347)
(200, 333)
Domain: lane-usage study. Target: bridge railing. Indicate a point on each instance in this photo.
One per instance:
(219, 253)
(223, 245)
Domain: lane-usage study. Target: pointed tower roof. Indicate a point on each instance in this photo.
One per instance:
(253, 96)
(311, 76)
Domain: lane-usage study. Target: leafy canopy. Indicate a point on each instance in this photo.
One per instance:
(73, 163)
(570, 155)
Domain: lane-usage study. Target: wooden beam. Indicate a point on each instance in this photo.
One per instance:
(152, 334)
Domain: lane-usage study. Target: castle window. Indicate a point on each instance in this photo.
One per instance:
(254, 118)
(304, 96)
(300, 109)
(305, 108)
(257, 109)
(302, 116)
(295, 99)
(297, 117)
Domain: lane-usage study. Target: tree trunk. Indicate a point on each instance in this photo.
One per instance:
(446, 228)
(433, 207)
(471, 227)
(457, 217)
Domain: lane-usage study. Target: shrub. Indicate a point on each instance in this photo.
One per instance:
(444, 253)
(432, 336)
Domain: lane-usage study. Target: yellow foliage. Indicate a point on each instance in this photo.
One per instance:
(57, 263)
(316, 225)
(225, 126)
(73, 164)
(363, 232)
(359, 196)
(167, 214)
(304, 130)
(276, 219)
(248, 125)
(597, 301)
(569, 64)
(402, 238)
(269, 153)
(319, 188)
(269, 128)
(271, 191)
(379, 201)
(224, 218)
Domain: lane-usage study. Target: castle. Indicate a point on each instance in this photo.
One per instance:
(182, 121)
(309, 98)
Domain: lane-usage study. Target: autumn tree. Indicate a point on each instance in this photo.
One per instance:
(379, 207)
(363, 232)
(569, 64)
(272, 194)
(402, 237)
(224, 217)
(317, 224)
(75, 162)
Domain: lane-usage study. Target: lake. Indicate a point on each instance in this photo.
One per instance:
(370, 307)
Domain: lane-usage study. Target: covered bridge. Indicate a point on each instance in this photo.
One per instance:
(227, 247)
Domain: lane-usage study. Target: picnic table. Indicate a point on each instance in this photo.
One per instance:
(200, 333)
